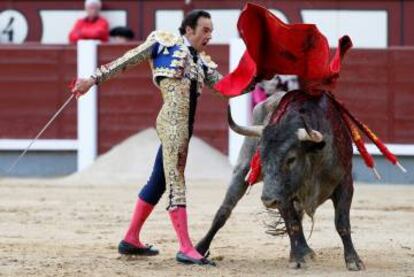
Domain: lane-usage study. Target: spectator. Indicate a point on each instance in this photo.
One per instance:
(121, 34)
(93, 26)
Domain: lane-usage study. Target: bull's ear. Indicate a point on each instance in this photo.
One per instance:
(313, 147)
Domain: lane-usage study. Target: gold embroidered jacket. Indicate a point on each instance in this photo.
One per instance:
(169, 57)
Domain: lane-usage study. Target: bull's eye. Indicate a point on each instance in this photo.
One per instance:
(290, 161)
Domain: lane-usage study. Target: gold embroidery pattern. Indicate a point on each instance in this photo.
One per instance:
(179, 54)
(212, 77)
(194, 71)
(130, 58)
(166, 39)
(201, 75)
(172, 129)
(177, 63)
(207, 60)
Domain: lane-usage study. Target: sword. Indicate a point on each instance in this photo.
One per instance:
(40, 133)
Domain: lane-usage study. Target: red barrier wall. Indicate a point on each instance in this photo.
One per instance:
(33, 84)
(376, 85)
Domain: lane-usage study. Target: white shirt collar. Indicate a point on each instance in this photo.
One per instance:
(186, 41)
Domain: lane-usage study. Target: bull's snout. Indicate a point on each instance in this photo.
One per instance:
(270, 202)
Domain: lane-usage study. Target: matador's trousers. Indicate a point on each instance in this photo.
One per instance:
(174, 127)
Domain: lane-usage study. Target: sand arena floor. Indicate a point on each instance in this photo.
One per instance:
(52, 229)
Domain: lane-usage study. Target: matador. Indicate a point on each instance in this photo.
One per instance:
(180, 69)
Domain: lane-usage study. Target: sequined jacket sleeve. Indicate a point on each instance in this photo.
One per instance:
(212, 75)
(130, 58)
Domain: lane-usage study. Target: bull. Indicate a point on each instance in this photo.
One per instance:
(306, 159)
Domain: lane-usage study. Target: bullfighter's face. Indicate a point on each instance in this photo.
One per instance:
(201, 35)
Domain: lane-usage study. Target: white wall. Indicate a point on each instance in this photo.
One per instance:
(65, 20)
(240, 106)
(168, 20)
(224, 22)
(368, 29)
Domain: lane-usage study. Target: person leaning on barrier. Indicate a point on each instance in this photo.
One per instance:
(93, 26)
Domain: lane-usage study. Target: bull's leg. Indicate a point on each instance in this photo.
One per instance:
(342, 199)
(300, 252)
(234, 193)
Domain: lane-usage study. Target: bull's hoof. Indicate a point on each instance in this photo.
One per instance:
(355, 264)
(202, 249)
(298, 265)
(309, 256)
(301, 261)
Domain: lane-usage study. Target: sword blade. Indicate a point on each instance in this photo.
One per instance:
(40, 133)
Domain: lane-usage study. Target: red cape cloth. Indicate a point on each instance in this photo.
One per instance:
(273, 47)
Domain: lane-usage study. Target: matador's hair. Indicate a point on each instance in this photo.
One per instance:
(191, 19)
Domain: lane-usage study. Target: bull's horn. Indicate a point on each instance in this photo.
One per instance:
(314, 135)
(251, 131)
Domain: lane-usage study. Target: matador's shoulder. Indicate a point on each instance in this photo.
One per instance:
(165, 39)
(207, 61)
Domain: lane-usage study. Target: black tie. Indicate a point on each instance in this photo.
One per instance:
(193, 53)
(193, 94)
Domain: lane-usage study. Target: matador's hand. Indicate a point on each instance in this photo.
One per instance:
(82, 86)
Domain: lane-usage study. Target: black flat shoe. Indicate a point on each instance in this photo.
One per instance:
(126, 248)
(184, 259)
